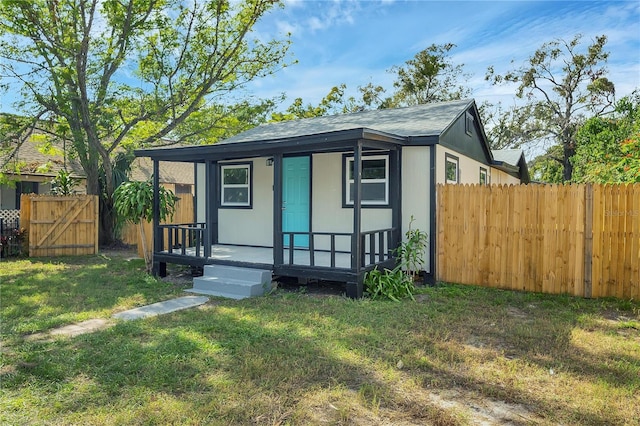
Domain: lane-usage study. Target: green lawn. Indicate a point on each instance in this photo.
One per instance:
(456, 354)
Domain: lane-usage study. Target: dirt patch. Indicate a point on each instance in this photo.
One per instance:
(313, 288)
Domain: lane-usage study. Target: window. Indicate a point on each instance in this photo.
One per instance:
(484, 178)
(468, 124)
(374, 182)
(183, 188)
(451, 172)
(236, 185)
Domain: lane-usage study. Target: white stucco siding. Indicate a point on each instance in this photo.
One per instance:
(252, 226)
(416, 164)
(502, 178)
(468, 169)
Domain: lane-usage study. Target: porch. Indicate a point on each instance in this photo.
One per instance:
(322, 259)
(324, 207)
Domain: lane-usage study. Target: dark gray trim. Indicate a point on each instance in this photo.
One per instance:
(195, 192)
(211, 173)
(278, 243)
(158, 268)
(468, 123)
(236, 163)
(433, 237)
(395, 195)
(325, 142)
(356, 229)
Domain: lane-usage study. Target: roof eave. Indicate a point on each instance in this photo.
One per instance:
(322, 142)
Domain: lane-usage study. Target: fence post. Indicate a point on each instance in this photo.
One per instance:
(588, 240)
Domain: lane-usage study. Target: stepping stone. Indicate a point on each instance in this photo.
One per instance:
(162, 307)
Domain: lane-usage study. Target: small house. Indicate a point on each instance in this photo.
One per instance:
(328, 197)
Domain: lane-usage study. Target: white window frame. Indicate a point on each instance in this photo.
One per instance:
(348, 181)
(453, 160)
(224, 186)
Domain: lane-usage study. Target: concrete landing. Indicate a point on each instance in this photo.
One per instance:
(165, 307)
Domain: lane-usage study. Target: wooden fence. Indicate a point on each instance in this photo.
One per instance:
(582, 240)
(184, 214)
(60, 225)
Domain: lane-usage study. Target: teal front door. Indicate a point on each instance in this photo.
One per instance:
(296, 200)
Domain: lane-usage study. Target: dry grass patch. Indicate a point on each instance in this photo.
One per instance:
(460, 355)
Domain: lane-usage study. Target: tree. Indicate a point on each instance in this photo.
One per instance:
(608, 149)
(114, 74)
(429, 77)
(561, 84)
(133, 202)
(332, 103)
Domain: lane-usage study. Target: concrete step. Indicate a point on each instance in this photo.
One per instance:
(237, 273)
(232, 282)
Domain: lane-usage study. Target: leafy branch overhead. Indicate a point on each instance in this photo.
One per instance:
(119, 74)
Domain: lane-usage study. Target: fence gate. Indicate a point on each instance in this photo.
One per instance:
(61, 225)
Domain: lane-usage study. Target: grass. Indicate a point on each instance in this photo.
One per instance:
(296, 358)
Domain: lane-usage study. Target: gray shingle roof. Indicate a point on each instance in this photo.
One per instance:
(421, 120)
(35, 161)
(509, 156)
(142, 170)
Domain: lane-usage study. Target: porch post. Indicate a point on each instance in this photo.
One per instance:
(395, 196)
(210, 207)
(355, 289)
(278, 242)
(158, 268)
(432, 275)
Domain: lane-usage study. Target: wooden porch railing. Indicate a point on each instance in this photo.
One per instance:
(181, 236)
(376, 246)
(189, 239)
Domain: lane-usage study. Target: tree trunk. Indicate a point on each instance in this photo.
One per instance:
(566, 162)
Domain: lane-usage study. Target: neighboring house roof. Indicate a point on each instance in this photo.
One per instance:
(421, 120)
(509, 156)
(36, 160)
(170, 172)
(47, 163)
(512, 159)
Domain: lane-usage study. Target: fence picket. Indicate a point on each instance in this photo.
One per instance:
(536, 238)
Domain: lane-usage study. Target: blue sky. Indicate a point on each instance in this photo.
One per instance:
(356, 42)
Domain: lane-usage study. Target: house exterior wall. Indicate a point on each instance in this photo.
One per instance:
(328, 214)
(498, 177)
(254, 226)
(416, 184)
(468, 169)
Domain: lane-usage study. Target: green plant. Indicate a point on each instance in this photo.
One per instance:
(133, 202)
(64, 183)
(411, 252)
(393, 284)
